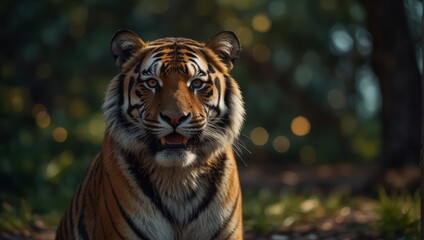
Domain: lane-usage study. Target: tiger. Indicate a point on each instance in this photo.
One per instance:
(166, 168)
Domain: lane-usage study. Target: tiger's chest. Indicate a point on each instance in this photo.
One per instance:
(202, 217)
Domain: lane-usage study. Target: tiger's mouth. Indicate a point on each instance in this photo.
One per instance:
(174, 140)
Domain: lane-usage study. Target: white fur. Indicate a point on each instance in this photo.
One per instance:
(175, 158)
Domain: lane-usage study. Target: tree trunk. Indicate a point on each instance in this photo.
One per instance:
(394, 62)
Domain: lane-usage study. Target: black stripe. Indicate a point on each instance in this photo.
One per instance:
(210, 68)
(159, 54)
(227, 220)
(121, 89)
(130, 86)
(191, 55)
(150, 125)
(214, 181)
(121, 119)
(150, 71)
(130, 110)
(144, 183)
(172, 40)
(175, 47)
(225, 120)
(81, 225)
(162, 68)
(233, 231)
(218, 86)
(189, 49)
(209, 60)
(209, 80)
(227, 92)
(127, 218)
(215, 108)
(196, 67)
(75, 199)
(108, 212)
(138, 67)
(82, 230)
(209, 93)
(191, 196)
(184, 69)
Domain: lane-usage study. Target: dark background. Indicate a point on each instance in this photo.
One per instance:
(326, 83)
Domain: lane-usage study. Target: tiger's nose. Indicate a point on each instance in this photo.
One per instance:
(174, 119)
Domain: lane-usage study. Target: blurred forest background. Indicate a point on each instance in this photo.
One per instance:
(326, 83)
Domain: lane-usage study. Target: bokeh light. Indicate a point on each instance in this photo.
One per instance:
(259, 136)
(60, 134)
(52, 170)
(281, 144)
(261, 23)
(342, 41)
(38, 108)
(300, 126)
(245, 36)
(309, 204)
(16, 99)
(42, 119)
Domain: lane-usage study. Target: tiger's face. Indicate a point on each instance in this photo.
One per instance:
(174, 98)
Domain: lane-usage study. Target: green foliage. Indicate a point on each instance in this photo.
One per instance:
(21, 216)
(395, 216)
(399, 215)
(265, 211)
(17, 217)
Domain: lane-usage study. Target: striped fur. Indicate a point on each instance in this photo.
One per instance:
(166, 169)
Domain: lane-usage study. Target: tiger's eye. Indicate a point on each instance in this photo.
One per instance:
(197, 83)
(152, 83)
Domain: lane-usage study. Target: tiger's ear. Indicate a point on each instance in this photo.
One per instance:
(124, 45)
(227, 46)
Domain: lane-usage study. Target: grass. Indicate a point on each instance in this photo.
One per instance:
(21, 216)
(399, 215)
(390, 215)
(15, 217)
(267, 212)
